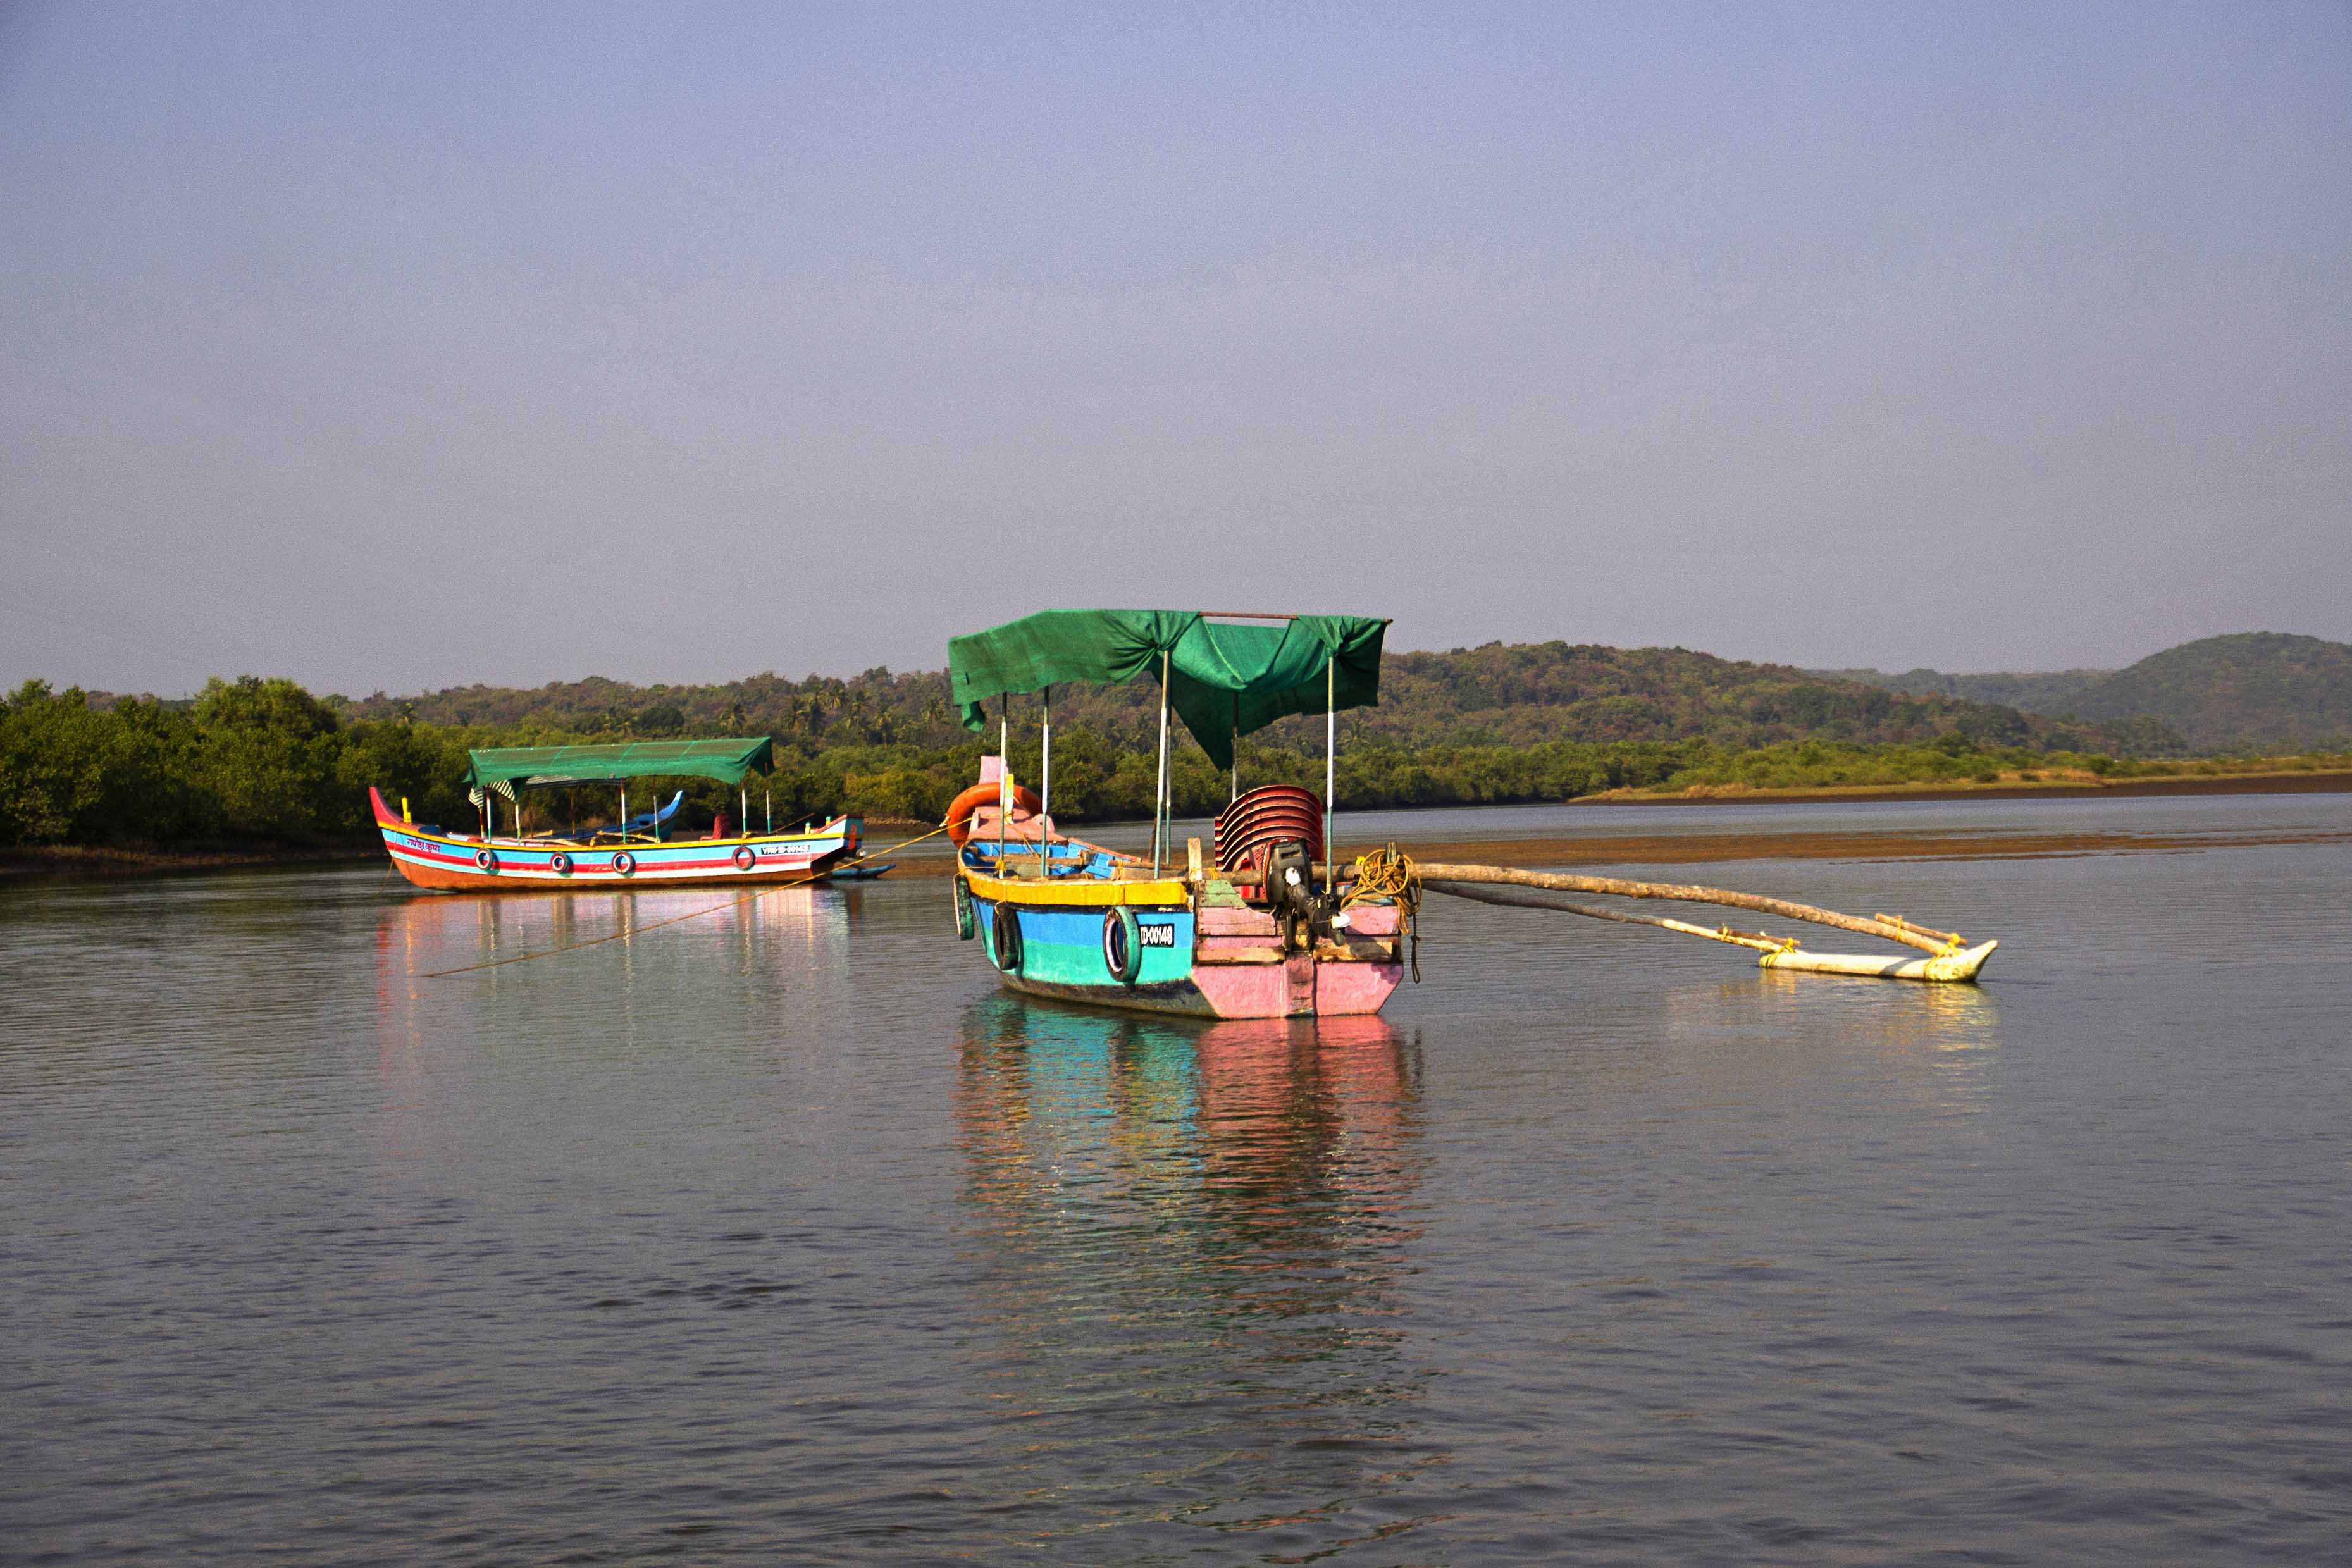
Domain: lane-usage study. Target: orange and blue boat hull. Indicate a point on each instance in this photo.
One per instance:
(453, 864)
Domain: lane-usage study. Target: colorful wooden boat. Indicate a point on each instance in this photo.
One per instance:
(635, 852)
(1258, 927)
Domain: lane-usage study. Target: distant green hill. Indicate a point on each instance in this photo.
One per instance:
(2052, 692)
(1501, 694)
(2255, 691)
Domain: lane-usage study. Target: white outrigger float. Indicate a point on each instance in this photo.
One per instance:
(1959, 964)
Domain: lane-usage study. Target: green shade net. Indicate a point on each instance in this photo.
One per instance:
(1224, 679)
(543, 765)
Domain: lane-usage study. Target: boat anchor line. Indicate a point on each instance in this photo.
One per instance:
(1950, 959)
(752, 897)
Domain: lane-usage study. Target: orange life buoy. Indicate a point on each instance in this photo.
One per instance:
(958, 822)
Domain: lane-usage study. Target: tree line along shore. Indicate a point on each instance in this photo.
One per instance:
(261, 767)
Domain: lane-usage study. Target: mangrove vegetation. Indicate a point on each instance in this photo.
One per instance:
(261, 762)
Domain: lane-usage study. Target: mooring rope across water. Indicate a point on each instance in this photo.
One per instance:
(752, 897)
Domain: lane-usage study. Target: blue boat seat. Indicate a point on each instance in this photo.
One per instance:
(642, 822)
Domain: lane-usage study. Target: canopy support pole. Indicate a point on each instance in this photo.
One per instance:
(624, 813)
(743, 804)
(1237, 750)
(1045, 777)
(1330, 766)
(1159, 795)
(1003, 772)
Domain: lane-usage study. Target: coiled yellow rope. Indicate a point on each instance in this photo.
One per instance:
(1389, 873)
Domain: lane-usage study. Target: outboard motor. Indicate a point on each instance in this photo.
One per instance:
(1290, 888)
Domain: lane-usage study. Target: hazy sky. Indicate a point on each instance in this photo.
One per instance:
(396, 347)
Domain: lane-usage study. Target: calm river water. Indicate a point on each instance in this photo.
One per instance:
(781, 1235)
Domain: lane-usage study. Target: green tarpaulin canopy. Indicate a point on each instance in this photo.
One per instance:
(725, 760)
(1224, 679)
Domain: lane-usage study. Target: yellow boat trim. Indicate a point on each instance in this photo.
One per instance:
(1083, 894)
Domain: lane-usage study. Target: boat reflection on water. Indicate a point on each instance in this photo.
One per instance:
(417, 938)
(1917, 1020)
(437, 956)
(1194, 1239)
(1810, 1035)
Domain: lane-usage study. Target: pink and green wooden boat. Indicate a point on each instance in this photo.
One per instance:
(1257, 925)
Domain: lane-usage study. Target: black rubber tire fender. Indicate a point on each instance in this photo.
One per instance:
(1004, 929)
(1122, 944)
(967, 923)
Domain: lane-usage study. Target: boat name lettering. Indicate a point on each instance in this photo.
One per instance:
(1157, 933)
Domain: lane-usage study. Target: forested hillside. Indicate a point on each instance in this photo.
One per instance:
(1515, 694)
(2257, 691)
(2252, 692)
(2053, 692)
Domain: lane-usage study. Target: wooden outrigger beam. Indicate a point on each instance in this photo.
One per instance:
(1433, 873)
(1755, 939)
(1948, 960)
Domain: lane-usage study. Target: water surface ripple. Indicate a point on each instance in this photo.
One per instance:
(782, 1235)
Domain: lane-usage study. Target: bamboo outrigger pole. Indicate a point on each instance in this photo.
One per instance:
(1434, 873)
(1948, 960)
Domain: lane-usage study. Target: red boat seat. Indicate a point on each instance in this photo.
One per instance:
(1262, 818)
